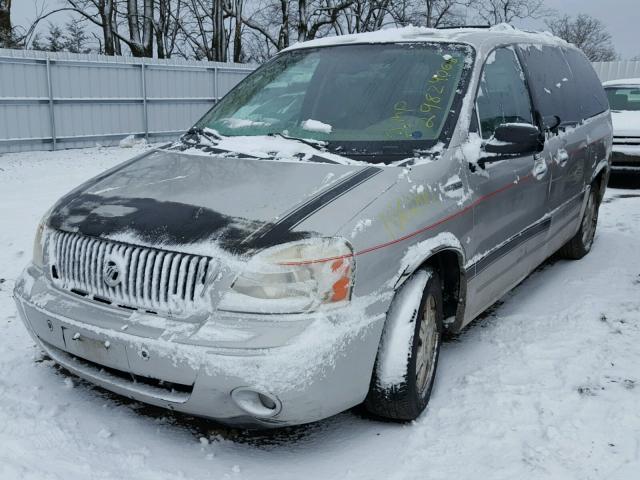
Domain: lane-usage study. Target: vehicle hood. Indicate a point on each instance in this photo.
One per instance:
(626, 123)
(172, 198)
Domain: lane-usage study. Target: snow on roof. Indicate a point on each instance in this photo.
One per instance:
(622, 81)
(471, 35)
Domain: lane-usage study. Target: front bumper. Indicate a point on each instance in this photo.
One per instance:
(322, 366)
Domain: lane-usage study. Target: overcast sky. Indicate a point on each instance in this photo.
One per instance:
(621, 17)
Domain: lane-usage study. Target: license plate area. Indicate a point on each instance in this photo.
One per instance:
(95, 348)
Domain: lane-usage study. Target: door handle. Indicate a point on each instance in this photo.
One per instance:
(562, 157)
(539, 167)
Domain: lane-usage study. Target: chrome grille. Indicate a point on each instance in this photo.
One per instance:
(626, 140)
(151, 280)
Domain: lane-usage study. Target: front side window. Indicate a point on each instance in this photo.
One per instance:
(624, 98)
(553, 84)
(503, 96)
(357, 98)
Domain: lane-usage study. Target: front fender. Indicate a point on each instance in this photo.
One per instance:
(419, 253)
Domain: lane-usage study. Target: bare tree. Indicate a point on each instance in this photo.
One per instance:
(440, 13)
(269, 24)
(276, 21)
(167, 26)
(103, 14)
(320, 17)
(140, 21)
(203, 29)
(255, 30)
(364, 16)
(505, 11)
(587, 33)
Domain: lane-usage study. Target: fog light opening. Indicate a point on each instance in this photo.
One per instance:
(256, 402)
(267, 402)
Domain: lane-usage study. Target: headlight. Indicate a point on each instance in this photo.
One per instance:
(38, 247)
(38, 242)
(294, 277)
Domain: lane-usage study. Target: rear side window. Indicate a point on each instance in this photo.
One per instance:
(552, 83)
(592, 98)
(503, 96)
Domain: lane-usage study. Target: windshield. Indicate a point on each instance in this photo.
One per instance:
(359, 99)
(624, 98)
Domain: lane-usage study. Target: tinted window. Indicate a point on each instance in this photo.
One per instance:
(503, 96)
(624, 98)
(592, 98)
(552, 83)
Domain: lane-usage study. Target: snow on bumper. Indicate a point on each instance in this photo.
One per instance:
(321, 367)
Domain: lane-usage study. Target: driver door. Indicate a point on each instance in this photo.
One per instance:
(511, 193)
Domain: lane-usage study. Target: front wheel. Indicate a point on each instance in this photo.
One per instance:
(581, 243)
(405, 367)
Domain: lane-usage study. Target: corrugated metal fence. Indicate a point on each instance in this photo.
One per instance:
(617, 70)
(63, 100)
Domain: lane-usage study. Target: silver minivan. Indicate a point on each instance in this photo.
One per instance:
(308, 244)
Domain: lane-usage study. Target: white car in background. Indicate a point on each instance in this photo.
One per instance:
(624, 100)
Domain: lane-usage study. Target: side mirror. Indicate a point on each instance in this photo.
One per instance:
(511, 139)
(551, 123)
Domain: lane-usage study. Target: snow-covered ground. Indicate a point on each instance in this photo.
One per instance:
(545, 385)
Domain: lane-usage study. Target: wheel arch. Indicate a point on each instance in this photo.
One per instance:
(600, 180)
(448, 262)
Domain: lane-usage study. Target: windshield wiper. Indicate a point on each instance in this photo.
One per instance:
(313, 144)
(199, 132)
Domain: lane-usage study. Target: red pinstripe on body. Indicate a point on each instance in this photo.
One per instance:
(417, 232)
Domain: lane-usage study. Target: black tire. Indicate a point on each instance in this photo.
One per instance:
(405, 400)
(581, 243)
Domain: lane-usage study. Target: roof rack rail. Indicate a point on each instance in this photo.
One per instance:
(450, 27)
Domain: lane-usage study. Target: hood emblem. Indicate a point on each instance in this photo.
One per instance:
(112, 271)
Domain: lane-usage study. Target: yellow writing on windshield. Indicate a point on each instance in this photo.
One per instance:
(412, 122)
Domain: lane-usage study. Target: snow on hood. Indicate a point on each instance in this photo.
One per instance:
(173, 198)
(626, 123)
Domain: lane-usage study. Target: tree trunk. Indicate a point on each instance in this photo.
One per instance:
(283, 36)
(161, 29)
(117, 44)
(135, 43)
(160, 44)
(218, 39)
(5, 23)
(147, 31)
(237, 37)
(302, 20)
(429, 23)
(106, 16)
